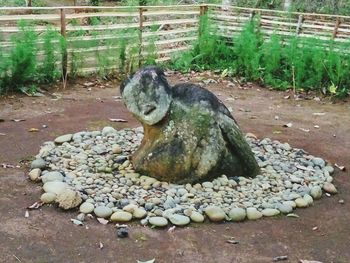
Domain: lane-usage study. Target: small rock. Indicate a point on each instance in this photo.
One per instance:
(309, 200)
(253, 213)
(285, 208)
(102, 211)
(63, 138)
(34, 174)
(52, 177)
(330, 188)
(270, 212)
(139, 213)
(116, 149)
(316, 192)
(38, 163)
(81, 217)
(237, 214)
(158, 221)
(48, 198)
(179, 220)
(130, 208)
(215, 213)
(86, 208)
(301, 203)
(329, 169)
(121, 216)
(55, 187)
(122, 232)
(319, 162)
(108, 130)
(68, 199)
(207, 185)
(197, 217)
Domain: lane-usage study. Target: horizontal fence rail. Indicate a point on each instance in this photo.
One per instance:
(108, 38)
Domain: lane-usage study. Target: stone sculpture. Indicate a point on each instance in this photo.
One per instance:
(189, 135)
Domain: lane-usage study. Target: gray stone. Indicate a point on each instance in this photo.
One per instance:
(63, 138)
(319, 162)
(179, 220)
(270, 212)
(38, 163)
(86, 208)
(284, 208)
(34, 174)
(316, 192)
(52, 177)
(108, 130)
(116, 149)
(48, 198)
(237, 214)
(215, 213)
(309, 200)
(253, 213)
(301, 202)
(197, 217)
(158, 221)
(102, 211)
(329, 169)
(330, 188)
(139, 213)
(121, 216)
(55, 187)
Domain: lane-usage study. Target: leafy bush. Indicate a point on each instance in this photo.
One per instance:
(20, 64)
(299, 63)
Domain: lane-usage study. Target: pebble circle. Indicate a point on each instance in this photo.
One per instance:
(96, 165)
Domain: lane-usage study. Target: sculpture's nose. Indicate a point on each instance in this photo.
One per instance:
(147, 109)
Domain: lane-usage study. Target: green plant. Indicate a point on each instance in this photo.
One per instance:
(53, 46)
(20, 67)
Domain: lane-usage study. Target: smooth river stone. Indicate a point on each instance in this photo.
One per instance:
(197, 217)
(102, 211)
(34, 174)
(270, 212)
(55, 187)
(316, 192)
(52, 177)
(121, 216)
(215, 213)
(330, 188)
(301, 202)
(237, 214)
(63, 138)
(253, 213)
(38, 163)
(48, 198)
(179, 220)
(158, 221)
(139, 213)
(86, 208)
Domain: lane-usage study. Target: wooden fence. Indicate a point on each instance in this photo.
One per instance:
(96, 35)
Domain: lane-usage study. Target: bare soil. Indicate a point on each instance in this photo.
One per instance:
(48, 235)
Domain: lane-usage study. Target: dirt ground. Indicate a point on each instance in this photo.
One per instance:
(48, 235)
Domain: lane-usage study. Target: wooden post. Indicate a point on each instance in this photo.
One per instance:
(29, 3)
(300, 23)
(336, 27)
(140, 34)
(203, 10)
(64, 35)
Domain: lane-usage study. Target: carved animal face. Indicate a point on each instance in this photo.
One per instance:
(147, 95)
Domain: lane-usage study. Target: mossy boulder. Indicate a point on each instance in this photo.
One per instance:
(189, 135)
